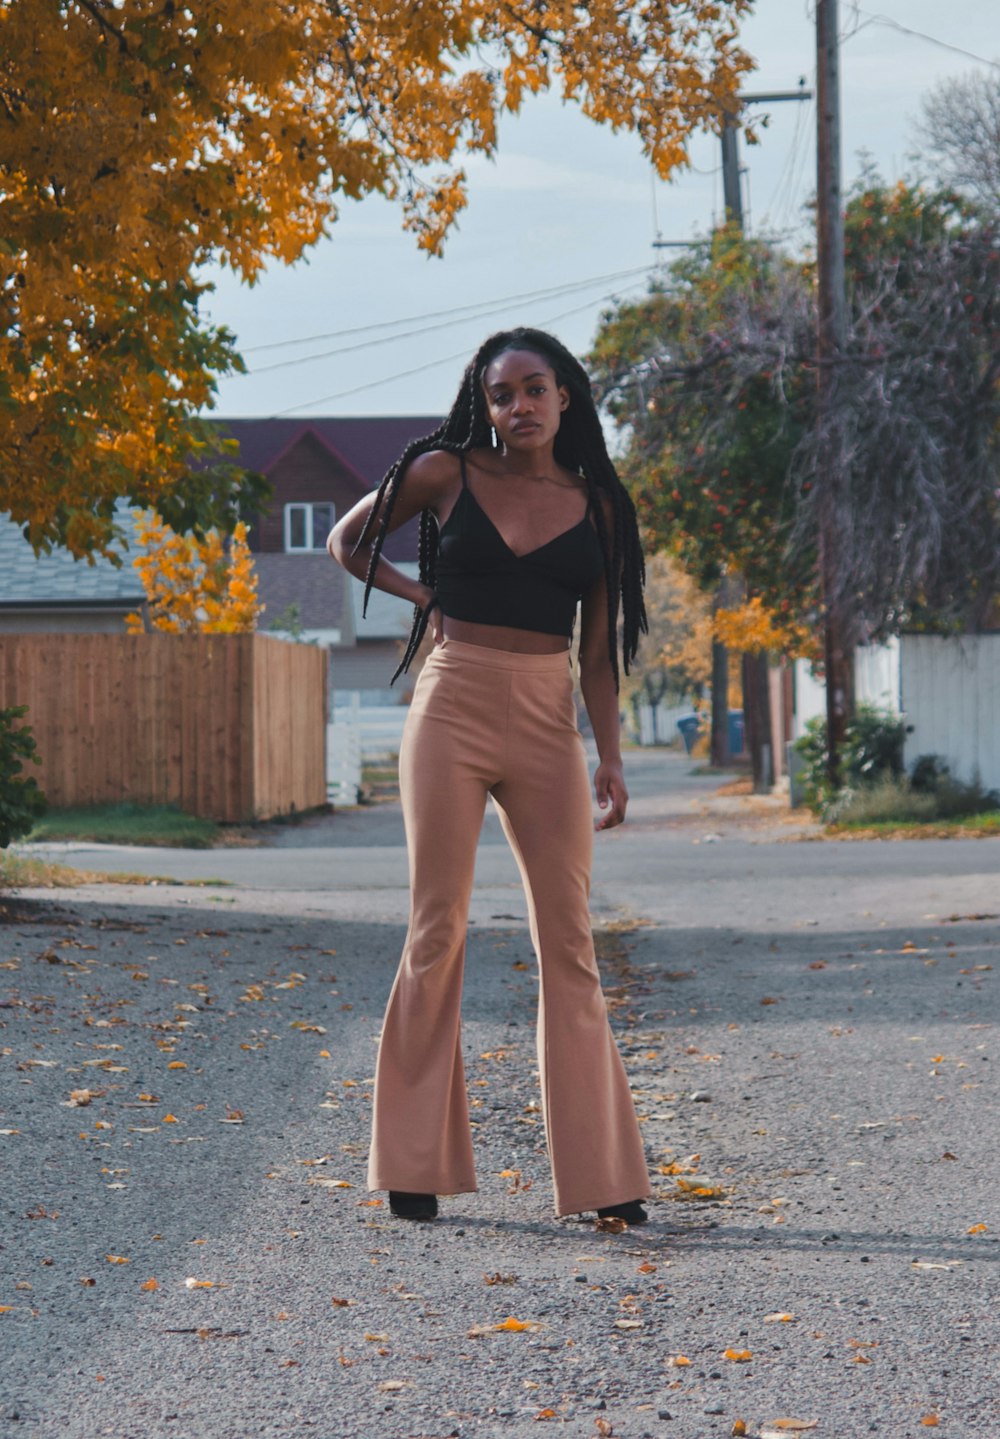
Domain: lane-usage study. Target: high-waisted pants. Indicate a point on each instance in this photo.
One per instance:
(491, 722)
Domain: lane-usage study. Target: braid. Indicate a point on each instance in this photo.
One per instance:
(579, 446)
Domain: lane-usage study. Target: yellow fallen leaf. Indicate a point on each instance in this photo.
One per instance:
(546, 1414)
(304, 1028)
(199, 1284)
(861, 1359)
(930, 1421)
(324, 1054)
(390, 1386)
(977, 1229)
(612, 1224)
(376, 1338)
(170, 1119)
(779, 1317)
(516, 1326)
(678, 1361)
(149, 1285)
(646, 1268)
(6, 1308)
(117, 1259)
(325, 1183)
(739, 1428)
(738, 1356)
(79, 1097)
(628, 1323)
(177, 1064)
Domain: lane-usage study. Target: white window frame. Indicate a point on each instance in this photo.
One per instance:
(308, 506)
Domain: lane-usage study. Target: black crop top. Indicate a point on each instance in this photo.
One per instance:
(481, 580)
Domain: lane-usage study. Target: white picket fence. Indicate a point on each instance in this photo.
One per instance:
(658, 723)
(358, 734)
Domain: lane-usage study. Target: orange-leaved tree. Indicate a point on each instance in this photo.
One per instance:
(194, 583)
(140, 139)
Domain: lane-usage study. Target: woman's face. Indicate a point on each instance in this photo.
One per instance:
(524, 400)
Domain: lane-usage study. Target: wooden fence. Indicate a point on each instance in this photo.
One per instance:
(230, 727)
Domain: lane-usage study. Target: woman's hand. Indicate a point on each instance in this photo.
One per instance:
(609, 786)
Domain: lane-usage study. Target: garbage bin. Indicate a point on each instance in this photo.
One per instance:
(688, 727)
(736, 738)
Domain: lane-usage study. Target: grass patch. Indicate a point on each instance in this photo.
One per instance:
(22, 872)
(896, 805)
(971, 824)
(127, 824)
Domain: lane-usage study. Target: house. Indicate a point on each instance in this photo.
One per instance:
(318, 469)
(56, 593)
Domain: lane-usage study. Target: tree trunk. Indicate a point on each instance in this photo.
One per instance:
(720, 754)
(757, 721)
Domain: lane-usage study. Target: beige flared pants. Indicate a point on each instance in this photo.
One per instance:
(491, 722)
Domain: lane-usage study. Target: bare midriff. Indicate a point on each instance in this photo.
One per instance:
(501, 637)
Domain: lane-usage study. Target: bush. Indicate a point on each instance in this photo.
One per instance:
(929, 793)
(21, 800)
(872, 751)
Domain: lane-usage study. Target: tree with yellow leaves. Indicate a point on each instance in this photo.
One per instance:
(194, 584)
(140, 139)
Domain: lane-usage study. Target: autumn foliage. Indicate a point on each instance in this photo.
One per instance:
(195, 584)
(140, 140)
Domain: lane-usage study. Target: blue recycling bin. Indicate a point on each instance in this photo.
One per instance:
(736, 736)
(688, 727)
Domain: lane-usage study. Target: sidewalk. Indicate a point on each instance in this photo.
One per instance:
(810, 1031)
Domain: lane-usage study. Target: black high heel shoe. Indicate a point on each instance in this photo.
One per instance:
(631, 1211)
(412, 1206)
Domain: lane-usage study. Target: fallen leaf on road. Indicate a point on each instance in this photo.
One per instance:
(376, 1338)
(612, 1225)
(546, 1414)
(325, 1183)
(517, 1326)
(117, 1259)
(628, 1323)
(930, 1421)
(977, 1229)
(678, 1361)
(199, 1284)
(780, 1317)
(738, 1356)
(499, 1278)
(739, 1428)
(604, 1428)
(149, 1285)
(177, 1064)
(341, 1303)
(391, 1386)
(79, 1097)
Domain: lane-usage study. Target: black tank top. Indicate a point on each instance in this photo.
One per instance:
(481, 580)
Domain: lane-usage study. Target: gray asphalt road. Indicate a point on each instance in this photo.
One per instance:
(810, 1029)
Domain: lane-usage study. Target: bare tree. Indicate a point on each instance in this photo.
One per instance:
(959, 127)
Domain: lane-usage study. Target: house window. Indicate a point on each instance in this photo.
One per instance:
(307, 526)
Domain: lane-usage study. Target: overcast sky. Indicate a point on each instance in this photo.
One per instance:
(566, 217)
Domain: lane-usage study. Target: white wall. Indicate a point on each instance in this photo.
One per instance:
(951, 697)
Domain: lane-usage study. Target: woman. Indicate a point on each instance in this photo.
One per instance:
(522, 516)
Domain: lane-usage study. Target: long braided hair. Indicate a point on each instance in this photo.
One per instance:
(579, 446)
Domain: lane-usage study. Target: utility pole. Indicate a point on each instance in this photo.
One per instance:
(830, 343)
(756, 669)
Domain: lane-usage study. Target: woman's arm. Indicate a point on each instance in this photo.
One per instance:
(427, 484)
(597, 682)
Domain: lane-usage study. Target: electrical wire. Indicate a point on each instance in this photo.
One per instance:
(485, 305)
(442, 325)
(890, 24)
(428, 365)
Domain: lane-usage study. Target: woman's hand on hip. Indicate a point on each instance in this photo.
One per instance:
(609, 786)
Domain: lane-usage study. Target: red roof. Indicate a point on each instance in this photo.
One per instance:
(368, 444)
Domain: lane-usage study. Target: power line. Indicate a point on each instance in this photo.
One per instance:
(569, 289)
(890, 24)
(486, 305)
(427, 365)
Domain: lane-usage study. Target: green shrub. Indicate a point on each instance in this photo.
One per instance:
(929, 793)
(21, 800)
(872, 750)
